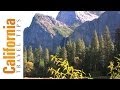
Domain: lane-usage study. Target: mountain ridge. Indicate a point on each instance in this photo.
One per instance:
(108, 18)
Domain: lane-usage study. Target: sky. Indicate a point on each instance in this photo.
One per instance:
(25, 16)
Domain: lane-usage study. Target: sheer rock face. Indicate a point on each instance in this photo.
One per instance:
(71, 17)
(108, 18)
(45, 31)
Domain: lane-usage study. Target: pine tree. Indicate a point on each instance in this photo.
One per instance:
(42, 68)
(37, 58)
(80, 49)
(46, 55)
(69, 49)
(101, 42)
(95, 42)
(58, 51)
(25, 55)
(108, 45)
(94, 51)
(41, 52)
(87, 64)
(117, 42)
(102, 55)
(30, 56)
(64, 53)
(73, 54)
(37, 54)
(45, 62)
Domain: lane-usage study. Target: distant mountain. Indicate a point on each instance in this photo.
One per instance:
(109, 18)
(45, 31)
(77, 17)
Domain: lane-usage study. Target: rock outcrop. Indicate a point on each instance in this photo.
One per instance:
(46, 32)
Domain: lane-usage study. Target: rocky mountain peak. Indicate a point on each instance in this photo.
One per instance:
(45, 31)
(46, 22)
(71, 17)
(45, 19)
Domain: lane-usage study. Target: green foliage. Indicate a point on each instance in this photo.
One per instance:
(64, 70)
(58, 51)
(87, 66)
(102, 59)
(80, 47)
(69, 48)
(42, 63)
(80, 51)
(108, 45)
(37, 54)
(75, 24)
(30, 56)
(102, 52)
(95, 42)
(73, 53)
(94, 57)
(63, 30)
(25, 55)
(115, 69)
(46, 55)
(117, 41)
(64, 53)
(42, 68)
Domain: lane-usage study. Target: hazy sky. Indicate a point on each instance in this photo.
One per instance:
(25, 16)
